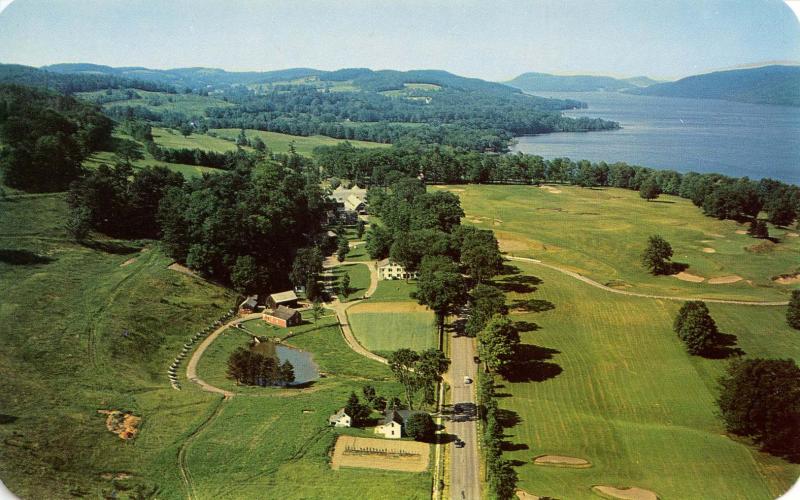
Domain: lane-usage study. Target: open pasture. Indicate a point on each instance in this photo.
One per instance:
(304, 145)
(382, 327)
(603, 378)
(601, 233)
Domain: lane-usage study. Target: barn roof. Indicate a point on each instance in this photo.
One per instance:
(282, 312)
(283, 296)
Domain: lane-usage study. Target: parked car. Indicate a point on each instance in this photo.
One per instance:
(476, 359)
(467, 380)
(459, 443)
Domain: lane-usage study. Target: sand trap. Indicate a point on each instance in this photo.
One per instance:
(474, 221)
(741, 231)
(550, 189)
(183, 270)
(792, 235)
(724, 280)
(524, 495)
(128, 262)
(684, 276)
(787, 279)
(709, 250)
(632, 493)
(562, 461)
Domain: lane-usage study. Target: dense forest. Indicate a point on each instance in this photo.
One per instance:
(46, 135)
(69, 83)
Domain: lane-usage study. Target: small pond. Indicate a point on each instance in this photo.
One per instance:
(305, 370)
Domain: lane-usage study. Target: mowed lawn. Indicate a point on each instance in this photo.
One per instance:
(601, 234)
(383, 327)
(359, 279)
(605, 379)
(304, 145)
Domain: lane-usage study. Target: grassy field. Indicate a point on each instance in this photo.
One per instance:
(605, 379)
(359, 279)
(600, 233)
(358, 253)
(170, 138)
(188, 171)
(383, 327)
(394, 290)
(279, 143)
(64, 355)
(189, 104)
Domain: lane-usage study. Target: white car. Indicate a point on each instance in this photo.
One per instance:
(467, 380)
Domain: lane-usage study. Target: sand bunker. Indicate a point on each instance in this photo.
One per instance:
(388, 454)
(123, 424)
(724, 280)
(787, 279)
(128, 262)
(709, 250)
(741, 231)
(632, 493)
(183, 270)
(524, 495)
(684, 276)
(551, 189)
(562, 461)
(792, 235)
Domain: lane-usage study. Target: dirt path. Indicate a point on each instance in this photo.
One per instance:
(183, 464)
(595, 284)
(340, 309)
(191, 366)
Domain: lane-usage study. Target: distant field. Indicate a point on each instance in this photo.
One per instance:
(188, 171)
(279, 143)
(606, 380)
(601, 233)
(171, 138)
(189, 104)
(388, 326)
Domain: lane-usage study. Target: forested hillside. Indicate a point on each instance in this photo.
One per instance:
(767, 85)
(386, 106)
(543, 82)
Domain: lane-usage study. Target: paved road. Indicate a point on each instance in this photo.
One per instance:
(464, 462)
(595, 284)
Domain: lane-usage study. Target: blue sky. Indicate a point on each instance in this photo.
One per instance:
(495, 39)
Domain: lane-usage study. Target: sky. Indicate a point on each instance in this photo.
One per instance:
(494, 40)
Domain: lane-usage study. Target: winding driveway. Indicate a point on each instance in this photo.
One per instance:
(595, 284)
(340, 309)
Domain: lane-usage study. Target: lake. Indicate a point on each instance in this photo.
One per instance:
(701, 135)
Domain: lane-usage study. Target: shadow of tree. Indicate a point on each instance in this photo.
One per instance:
(530, 364)
(724, 346)
(525, 326)
(112, 247)
(675, 268)
(23, 258)
(532, 305)
(7, 419)
(507, 418)
(518, 284)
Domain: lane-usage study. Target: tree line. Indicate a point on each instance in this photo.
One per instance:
(717, 195)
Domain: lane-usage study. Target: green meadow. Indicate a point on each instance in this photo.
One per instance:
(600, 233)
(173, 139)
(304, 145)
(383, 327)
(359, 279)
(189, 104)
(604, 378)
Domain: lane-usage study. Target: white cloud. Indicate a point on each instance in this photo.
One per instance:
(4, 4)
(795, 6)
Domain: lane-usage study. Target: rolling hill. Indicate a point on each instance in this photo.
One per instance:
(764, 85)
(544, 82)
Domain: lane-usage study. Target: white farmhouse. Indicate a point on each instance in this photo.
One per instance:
(391, 426)
(389, 270)
(340, 419)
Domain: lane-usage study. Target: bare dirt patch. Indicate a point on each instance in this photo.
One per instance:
(709, 250)
(741, 231)
(183, 270)
(684, 276)
(551, 189)
(724, 280)
(562, 461)
(524, 495)
(387, 307)
(123, 424)
(386, 454)
(632, 493)
(128, 262)
(787, 279)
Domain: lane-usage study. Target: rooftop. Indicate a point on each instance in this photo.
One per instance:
(287, 296)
